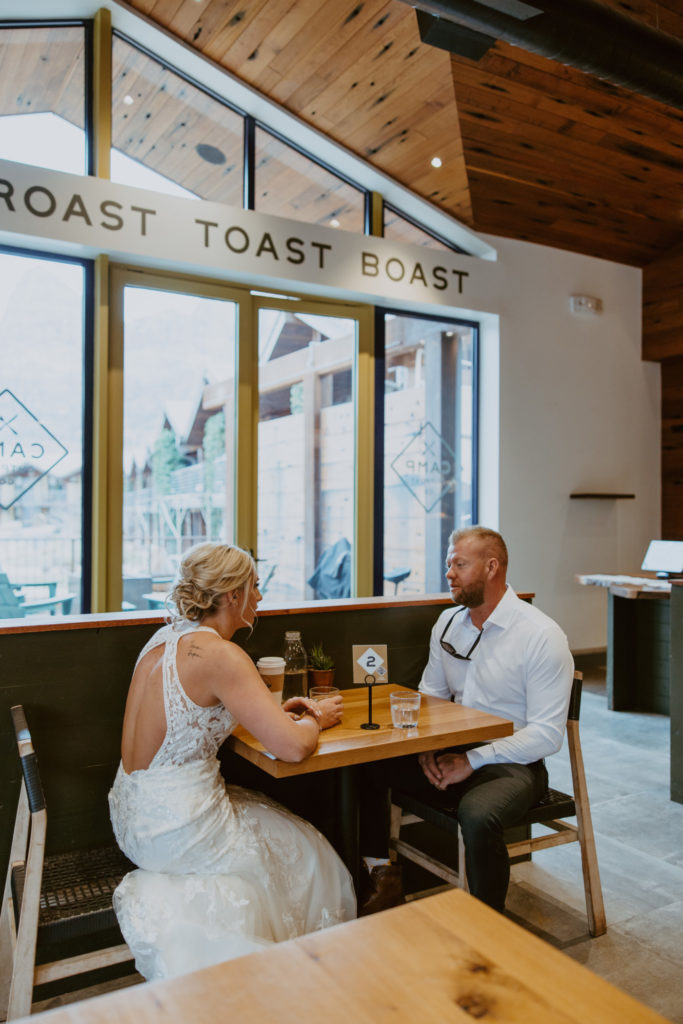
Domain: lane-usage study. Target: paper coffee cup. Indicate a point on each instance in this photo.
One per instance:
(272, 672)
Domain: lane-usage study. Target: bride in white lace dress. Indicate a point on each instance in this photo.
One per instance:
(221, 871)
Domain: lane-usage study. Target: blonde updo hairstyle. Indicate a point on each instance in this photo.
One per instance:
(207, 572)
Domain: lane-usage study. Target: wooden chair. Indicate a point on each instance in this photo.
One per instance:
(550, 812)
(52, 898)
(13, 603)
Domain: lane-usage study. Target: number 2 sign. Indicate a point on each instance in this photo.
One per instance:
(369, 664)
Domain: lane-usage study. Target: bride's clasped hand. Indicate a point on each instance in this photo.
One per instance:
(328, 713)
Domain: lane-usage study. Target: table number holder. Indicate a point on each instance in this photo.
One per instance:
(369, 667)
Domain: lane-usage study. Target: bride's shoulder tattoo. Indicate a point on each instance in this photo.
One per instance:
(194, 650)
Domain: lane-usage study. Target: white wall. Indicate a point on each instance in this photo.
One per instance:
(579, 411)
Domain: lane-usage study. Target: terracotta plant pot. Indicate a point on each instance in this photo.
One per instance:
(320, 677)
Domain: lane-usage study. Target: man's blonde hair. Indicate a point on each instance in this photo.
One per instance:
(208, 571)
(492, 543)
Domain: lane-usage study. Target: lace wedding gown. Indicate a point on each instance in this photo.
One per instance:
(221, 871)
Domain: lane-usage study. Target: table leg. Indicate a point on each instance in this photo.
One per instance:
(348, 836)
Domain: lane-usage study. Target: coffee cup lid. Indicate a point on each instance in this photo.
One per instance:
(270, 665)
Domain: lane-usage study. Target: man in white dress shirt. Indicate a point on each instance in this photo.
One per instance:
(502, 655)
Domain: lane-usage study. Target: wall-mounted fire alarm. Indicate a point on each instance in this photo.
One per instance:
(585, 304)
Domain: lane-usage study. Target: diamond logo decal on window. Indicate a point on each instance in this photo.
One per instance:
(27, 450)
(426, 466)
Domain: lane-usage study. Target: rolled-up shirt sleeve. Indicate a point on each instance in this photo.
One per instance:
(549, 675)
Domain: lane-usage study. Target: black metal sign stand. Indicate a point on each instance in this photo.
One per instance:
(370, 682)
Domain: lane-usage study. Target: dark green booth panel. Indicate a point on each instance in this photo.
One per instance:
(73, 680)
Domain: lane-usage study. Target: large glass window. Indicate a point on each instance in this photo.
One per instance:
(399, 228)
(178, 433)
(430, 384)
(41, 435)
(305, 454)
(42, 97)
(170, 136)
(290, 184)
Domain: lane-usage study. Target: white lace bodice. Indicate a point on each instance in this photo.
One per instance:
(193, 733)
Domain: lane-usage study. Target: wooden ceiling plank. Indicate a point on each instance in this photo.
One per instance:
(278, 51)
(418, 80)
(250, 51)
(589, 93)
(666, 17)
(659, 194)
(580, 99)
(253, 53)
(373, 53)
(516, 199)
(331, 25)
(187, 19)
(222, 24)
(368, 76)
(567, 170)
(145, 7)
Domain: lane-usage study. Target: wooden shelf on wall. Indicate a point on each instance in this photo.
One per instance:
(599, 495)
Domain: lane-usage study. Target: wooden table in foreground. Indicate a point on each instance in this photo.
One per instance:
(441, 724)
(441, 959)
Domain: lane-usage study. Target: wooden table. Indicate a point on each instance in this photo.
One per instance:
(442, 723)
(441, 959)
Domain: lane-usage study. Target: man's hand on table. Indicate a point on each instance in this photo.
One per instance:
(443, 770)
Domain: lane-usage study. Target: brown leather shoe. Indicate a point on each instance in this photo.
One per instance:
(380, 889)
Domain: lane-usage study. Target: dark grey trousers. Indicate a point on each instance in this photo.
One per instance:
(492, 799)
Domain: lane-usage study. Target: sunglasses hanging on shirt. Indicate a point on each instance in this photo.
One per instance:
(450, 649)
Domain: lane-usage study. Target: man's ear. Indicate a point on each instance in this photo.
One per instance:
(492, 567)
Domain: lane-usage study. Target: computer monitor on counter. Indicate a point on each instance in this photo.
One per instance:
(664, 557)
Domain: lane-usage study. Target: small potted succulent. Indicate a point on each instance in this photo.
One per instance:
(320, 667)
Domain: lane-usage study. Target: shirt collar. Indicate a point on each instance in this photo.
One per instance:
(503, 614)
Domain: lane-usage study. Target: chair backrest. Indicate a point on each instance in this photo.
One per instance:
(11, 606)
(575, 698)
(28, 759)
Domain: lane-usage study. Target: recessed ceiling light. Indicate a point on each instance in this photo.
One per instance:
(334, 223)
(128, 100)
(436, 161)
(212, 154)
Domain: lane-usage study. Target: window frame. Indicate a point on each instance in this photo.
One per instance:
(87, 413)
(380, 372)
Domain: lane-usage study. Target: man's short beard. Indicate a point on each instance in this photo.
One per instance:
(472, 596)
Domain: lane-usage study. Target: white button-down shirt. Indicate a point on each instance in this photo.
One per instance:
(521, 669)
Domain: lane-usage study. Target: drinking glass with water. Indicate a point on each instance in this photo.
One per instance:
(405, 709)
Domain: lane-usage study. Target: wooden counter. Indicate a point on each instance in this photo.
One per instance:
(638, 643)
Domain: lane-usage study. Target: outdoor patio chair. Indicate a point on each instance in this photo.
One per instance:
(13, 603)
